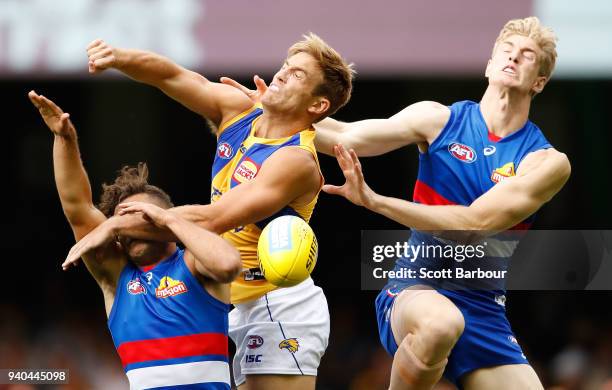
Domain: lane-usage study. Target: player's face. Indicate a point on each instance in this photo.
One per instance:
(291, 89)
(142, 252)
(515, 64)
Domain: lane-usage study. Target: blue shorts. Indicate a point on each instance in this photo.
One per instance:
(486, 341)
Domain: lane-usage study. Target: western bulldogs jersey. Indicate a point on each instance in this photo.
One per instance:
(240, 155)
(461, 164)
(168, 330)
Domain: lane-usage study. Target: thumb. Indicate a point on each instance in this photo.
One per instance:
(331, 189)
(260, 84)
(235, 84)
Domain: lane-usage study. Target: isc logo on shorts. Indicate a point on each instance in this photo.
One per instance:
(253, 358)
(462, 152)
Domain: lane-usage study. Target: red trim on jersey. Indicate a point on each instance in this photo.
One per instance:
(521, 226)
(148, 268)
(493, 137)
(426, 195)
(173, 347)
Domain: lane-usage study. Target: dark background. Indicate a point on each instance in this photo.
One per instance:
(49, 317)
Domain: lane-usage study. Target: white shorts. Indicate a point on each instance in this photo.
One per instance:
(286, 331)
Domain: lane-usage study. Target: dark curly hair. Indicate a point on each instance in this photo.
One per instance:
(130, 181)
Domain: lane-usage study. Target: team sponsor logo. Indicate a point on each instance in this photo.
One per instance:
(254, 341)
(489, 150)
(462, 152)
(169, 287)
(246, 171)
(506, 171)
(292, 345)
(253, 358)
(149, 276)
(225, 151)
(134, 287)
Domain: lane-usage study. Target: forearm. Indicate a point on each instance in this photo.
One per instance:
(136, 227)
(71, 179)
(217, 257)
(201, 215)
(426, 217)
(146, 67)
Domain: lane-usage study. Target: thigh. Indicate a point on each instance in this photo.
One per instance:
(507, 377)
(420, 307)
(279, 382)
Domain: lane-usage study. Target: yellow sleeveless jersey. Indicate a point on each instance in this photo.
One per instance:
(240, 155)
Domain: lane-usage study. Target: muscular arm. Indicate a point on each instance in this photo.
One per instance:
(540, 176)
(418, 123)
(215, 101)
(289, 174)
(74, 189)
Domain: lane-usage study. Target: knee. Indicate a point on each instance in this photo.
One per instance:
(442, 330)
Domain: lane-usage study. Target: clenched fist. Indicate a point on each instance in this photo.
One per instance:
(101, 56)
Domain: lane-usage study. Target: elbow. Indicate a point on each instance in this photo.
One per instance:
(230, 267)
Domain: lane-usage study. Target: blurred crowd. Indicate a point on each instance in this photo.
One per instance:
(79, 341)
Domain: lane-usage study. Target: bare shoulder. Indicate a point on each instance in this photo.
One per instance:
(292, 159)
(546, 160)
(426, 118)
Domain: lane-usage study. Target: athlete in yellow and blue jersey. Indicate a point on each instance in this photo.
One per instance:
(265, 165)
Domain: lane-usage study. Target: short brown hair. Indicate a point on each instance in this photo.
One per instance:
(544, 37)
(130, 181)
(337, 73)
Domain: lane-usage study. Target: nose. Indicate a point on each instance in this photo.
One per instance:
(514, 56)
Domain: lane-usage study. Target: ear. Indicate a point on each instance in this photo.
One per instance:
(539, 83)
(487, 68)
(319, 106)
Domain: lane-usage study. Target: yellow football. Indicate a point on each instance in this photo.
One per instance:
(287, 251)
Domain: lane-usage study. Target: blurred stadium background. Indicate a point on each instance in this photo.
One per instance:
(404, 51)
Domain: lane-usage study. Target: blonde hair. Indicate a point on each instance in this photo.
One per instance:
(543, 36)
(338, 75)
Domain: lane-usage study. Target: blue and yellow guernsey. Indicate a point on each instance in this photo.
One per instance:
(240, 155)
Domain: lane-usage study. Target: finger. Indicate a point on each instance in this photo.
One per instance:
(105, 52)
(236, 84)
(131, 210)
(94, 43)
(343, 158)
(52, 106)
(260, 84)
(104, 63)
(331, 189)
(91, 67)
(355, 159)
(34, 98)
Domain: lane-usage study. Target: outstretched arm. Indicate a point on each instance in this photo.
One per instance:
(215, 101)
(540, 176)
(289, 174)
(419, 123)
(74, 188)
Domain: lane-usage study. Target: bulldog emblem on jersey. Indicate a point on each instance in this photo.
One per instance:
(506, 171)
(169, 287)
(134, 287)
(462, 152)
(246, 171)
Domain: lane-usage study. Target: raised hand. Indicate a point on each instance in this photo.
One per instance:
(101, 56)
(355, 188)
(97, 238)
(57, 120)
(150, 212)
(254, 95)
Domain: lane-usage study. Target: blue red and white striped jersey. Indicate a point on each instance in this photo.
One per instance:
(460, 165)
(168, 330)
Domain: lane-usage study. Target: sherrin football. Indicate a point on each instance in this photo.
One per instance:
(287, 251)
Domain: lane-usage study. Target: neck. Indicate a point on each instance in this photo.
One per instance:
(274, 125)
(504, 111)
(155, 255)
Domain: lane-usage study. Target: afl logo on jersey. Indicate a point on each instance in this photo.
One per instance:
(134, 287)
(246, 171)
(225, 151)
(462, 152)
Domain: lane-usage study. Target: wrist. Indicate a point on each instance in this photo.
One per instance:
(373, 201)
